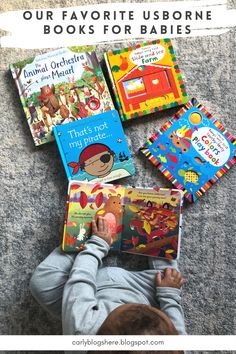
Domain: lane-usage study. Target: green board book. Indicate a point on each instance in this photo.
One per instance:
(58, 87)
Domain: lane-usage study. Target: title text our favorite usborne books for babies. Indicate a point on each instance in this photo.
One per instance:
(146, 78)
(59, 87)
(193, 150)
(143, 221)
(95, 148)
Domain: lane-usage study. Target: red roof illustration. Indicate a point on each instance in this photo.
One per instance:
(141, 70)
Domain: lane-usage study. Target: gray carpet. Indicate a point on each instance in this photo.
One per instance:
(33, 190)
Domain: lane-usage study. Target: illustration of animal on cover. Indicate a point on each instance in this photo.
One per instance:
(112, 211)
(78, 108)
(48, 99)
(50, 105)
(82, 232)
(181, 138)
(80, 236)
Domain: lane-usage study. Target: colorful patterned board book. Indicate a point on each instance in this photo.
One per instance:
(142, 221)
(59, 87)
(95, 148)
(193, 150)
(145, 78)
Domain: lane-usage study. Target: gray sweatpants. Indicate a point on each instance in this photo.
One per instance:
(48, 281)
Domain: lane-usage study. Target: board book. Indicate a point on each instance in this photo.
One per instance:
(95, 148)
(58, 87)
(142, 221)
(193, 150)
(146, 78)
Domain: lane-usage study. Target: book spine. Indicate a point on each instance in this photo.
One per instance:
(180, 222)
(62, 153)
(65, 219)
(22, 99)
(118, 102)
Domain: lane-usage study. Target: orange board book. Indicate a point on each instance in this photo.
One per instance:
(145, 78)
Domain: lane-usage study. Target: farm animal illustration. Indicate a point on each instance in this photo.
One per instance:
(113, 212)
(181, 138)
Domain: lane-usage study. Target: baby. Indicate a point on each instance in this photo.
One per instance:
(92, 299)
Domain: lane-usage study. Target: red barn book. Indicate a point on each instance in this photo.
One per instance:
(146, 78)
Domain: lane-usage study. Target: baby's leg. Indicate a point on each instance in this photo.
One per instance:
(48, 280)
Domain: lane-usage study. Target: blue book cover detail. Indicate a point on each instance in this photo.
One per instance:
(193, 150)
(95, 148)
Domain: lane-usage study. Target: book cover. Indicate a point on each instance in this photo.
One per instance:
(143, 221)
(59, 87)
(95, 148)
(193, 150)
(146, 78)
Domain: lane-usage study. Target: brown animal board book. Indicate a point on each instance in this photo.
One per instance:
(58, 87)
(143, 221)
(145, 78)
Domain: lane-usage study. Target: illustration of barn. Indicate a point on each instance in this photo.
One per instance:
(146, 82)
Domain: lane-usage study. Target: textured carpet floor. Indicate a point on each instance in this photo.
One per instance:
(33, 190)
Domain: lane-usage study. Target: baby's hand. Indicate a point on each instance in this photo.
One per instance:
(102, 230)
(171, 279)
